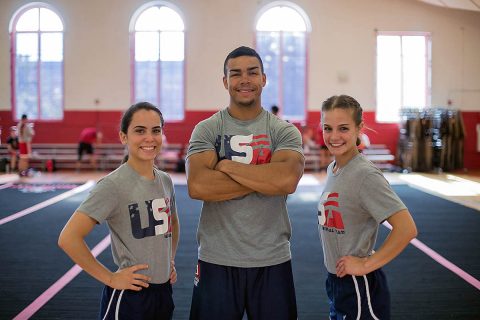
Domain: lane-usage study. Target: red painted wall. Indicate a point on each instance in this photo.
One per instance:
(67, 131)
(471, 155)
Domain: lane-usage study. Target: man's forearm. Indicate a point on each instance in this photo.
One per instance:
(275, 178)
(214, 185)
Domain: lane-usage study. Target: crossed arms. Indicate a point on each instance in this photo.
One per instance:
(211, 180)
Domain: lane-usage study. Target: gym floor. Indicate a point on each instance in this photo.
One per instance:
(436, 277)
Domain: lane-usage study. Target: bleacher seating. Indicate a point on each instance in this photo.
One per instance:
(379, 154)
(109, 156)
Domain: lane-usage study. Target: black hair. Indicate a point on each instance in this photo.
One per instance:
(240, 52)
(128, 115)
(274, 109)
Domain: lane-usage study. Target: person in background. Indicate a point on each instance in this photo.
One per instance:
(274, 109)
(13, 146)
(364, 142)
(356, 200)
(88, 137)
(242, 163)
(308, 139)
(137, 201)
(325, 157)
(25, 135)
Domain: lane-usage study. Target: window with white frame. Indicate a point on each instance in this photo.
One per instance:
(36, 35)
(403, 73)
(157, 34)
(281, 41)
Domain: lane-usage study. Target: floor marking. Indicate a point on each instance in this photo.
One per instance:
(440, 259)
(6, 185)
(59, 284)
(48, 202)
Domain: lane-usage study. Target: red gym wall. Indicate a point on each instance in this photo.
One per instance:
(67, 131)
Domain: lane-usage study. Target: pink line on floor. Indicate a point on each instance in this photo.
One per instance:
(444, 262)
(48, 202)
(6, 185)
(59, 284)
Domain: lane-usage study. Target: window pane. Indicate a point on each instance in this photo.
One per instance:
(27, 46)
(51, 47)
(147, 46)
(294, 66)
(171, 101)
(26, 75)
(281, 19)
(28, 21)
(51, 76)
(50, 21)
(171, 44)
(51, 90)
(147, 53)
(268, 46)
(146, 84)
(148, 20)
(169, 20)
(414, 75)
(159, 19)
(389, 76)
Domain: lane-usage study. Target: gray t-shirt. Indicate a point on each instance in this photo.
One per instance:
(138, 213)
(355, 201)
(252, 230)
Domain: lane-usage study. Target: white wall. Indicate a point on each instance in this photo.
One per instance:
(341, 44)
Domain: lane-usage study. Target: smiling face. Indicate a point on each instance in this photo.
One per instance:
(143, 137)
(244, 81)
(340, 133)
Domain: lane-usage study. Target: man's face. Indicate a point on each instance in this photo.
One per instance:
(244, 80)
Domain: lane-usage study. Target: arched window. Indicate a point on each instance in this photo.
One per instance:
(282, 43)
(36, 34)
(157, 42)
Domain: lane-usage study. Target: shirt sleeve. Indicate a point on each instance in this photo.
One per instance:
(289, 138)
(202, 139)
(378, 198)
(102, 201)
(173, 203)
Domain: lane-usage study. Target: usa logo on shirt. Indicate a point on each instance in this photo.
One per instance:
(158, 213)
(250, 149)
(329, 215)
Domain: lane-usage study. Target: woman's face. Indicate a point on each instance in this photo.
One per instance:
(340, 132)
(144, 136)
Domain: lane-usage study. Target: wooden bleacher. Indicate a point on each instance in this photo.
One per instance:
(379, 154)
(109, 156)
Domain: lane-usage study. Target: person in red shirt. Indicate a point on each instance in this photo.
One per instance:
(88, 137)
